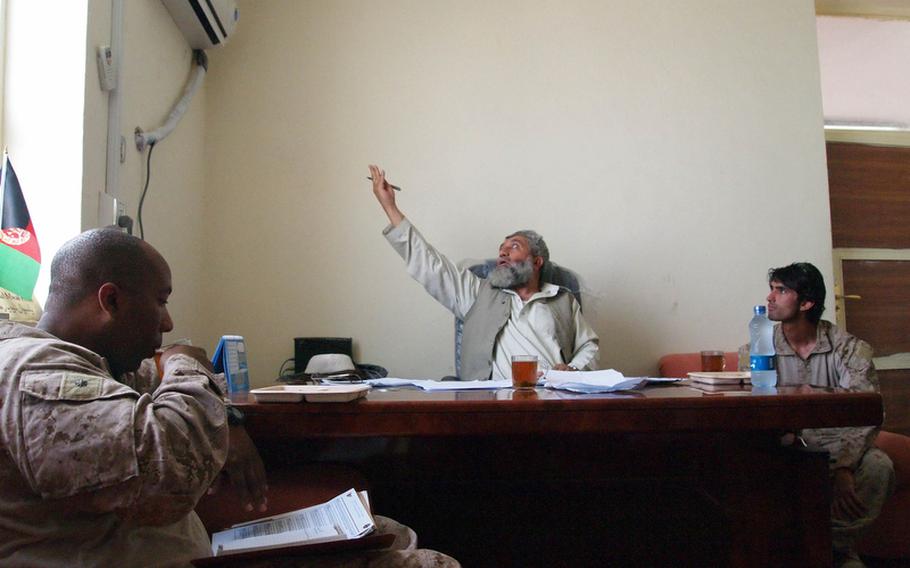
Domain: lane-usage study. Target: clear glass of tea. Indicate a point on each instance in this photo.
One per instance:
(712, 361)
(524, 371)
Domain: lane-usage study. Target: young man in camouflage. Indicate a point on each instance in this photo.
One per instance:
(815, 353)
(101, 465)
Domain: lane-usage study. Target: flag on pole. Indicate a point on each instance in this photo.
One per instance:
(20, 257)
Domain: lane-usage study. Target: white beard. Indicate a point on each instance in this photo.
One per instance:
(512, 275)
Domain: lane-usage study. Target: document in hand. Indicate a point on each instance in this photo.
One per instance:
(346, 517)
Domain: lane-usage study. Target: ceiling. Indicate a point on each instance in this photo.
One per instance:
(861, 61)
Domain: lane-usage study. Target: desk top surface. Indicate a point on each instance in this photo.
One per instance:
(678, 407)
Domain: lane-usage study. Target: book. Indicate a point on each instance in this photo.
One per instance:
(343, 518)
(720, 378)
(728, 388)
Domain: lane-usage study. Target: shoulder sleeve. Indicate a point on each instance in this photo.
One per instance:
(75, 432)
(856, 372)
(148, 456)
(855, 366)
(454, 288)
(587, 344)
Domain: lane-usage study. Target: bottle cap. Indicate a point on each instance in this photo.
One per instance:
(760, 310)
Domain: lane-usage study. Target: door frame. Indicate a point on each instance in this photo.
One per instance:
(890, 362)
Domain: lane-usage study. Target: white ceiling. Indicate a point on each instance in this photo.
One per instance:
(864, 69)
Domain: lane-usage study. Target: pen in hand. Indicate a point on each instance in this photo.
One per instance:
(395, 187)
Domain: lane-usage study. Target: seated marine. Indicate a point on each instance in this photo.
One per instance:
(103, 457)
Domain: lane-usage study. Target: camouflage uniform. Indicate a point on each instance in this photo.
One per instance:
(93, 473)
(839, 360)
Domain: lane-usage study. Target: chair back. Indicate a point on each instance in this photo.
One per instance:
(552, 273)
(681, 364)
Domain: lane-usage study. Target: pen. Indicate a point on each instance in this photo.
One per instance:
(395, 187)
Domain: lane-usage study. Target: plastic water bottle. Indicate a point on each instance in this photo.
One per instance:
(761, 350)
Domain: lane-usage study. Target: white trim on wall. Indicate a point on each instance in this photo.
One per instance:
(890, 9)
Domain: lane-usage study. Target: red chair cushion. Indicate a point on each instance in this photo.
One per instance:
(681, 364)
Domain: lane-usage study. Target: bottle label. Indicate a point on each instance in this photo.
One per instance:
(761, 362)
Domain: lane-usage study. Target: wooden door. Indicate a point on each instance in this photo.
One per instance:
(870, 222)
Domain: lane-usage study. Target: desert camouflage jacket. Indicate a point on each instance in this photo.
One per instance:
(838, 360)
(94, 472)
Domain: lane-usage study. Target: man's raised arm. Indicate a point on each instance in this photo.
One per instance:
(385, 195)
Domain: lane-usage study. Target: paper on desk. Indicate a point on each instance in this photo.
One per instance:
(609, 380)
(428, 385)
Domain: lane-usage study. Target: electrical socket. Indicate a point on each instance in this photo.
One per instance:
(120, 207)
(107, 209)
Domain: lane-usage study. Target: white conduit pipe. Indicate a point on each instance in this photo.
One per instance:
(144, 139)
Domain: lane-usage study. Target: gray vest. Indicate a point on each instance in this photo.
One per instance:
(489, 314)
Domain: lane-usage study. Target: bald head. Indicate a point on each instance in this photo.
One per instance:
(109, 293)
(97, 256)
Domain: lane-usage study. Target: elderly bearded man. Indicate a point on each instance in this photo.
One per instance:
(510, 313)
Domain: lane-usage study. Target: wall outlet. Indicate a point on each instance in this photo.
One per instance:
(107, 209)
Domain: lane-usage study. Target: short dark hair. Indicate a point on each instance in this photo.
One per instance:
(94, 257)
(808, 283)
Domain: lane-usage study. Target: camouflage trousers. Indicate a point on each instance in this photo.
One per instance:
(403, 553)
(874, 479)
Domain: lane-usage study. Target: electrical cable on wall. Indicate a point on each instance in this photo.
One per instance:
(203, 26)
(148, 177)
(149, 139)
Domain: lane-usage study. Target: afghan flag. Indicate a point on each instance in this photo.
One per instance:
(20, 257)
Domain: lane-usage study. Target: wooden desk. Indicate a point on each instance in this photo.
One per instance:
(702, 474)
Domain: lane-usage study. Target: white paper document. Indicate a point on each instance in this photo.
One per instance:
(344, 517)
(608, 380)
(428, 385)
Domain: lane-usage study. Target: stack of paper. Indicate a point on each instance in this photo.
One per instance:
(343, 518)
(609, 380)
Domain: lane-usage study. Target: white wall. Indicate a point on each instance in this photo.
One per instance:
(55, 119)
(42, 117)
(157, 64)
(669, 152)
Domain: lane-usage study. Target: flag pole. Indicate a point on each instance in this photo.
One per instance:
(3, 179)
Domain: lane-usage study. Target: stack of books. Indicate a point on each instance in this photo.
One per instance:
(719, 381)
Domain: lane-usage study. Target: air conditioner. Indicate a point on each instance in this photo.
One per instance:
(204, 23)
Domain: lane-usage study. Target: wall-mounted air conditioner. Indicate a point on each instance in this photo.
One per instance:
(204, 23)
